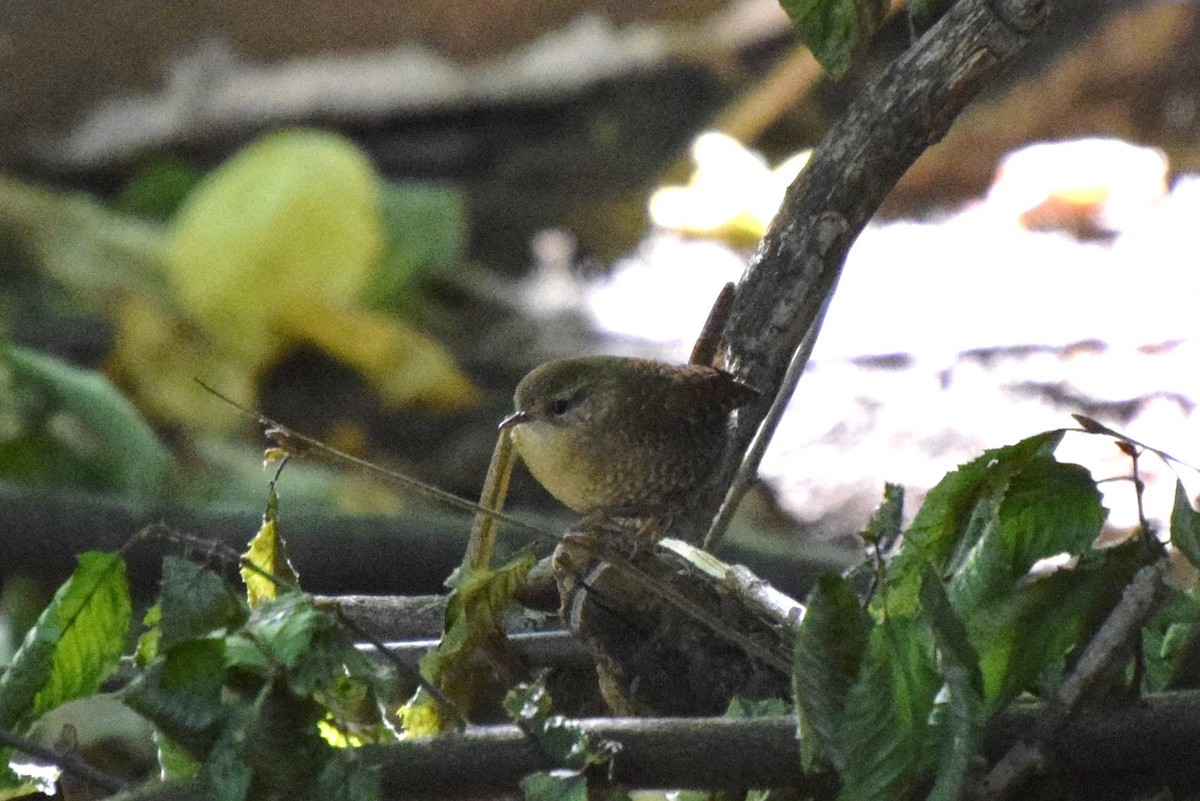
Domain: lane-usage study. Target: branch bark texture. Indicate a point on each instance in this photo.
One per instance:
(909, 107)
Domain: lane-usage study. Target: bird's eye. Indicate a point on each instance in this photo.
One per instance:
(559, 406)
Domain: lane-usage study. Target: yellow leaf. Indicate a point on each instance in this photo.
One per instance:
(266, 552)
(292, 217)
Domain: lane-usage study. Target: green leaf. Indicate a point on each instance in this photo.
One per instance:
(195, 603)
(1023, 640)
(74, 645)
(1047, 509)
(425, 231)
(740, 707)
(77, 430)
(225, 774)
(557, 786)
(885, 525)
(93, 252)
(1185, 525)
(14, 785)
(156, 190)
(959, 713)
(830, 647)
(292, 634)
(955, 515)
(836, 31)
(885, 737)
(180, 693)
(349, 777)
(174, 761)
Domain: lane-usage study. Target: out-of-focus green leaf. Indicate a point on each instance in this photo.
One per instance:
(955, 515)
(13, 785)
(884, 527)
(830, 647)
(95, 253)
(291, 218)
(157, 190)
(885, 737)
(425, 231)
(225, 773)
(74, 645)
(71, 428)
(1171, 644)
(836, 31)
(1185, 525)
(741, 707)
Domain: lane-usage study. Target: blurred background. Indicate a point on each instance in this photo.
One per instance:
(369, 223)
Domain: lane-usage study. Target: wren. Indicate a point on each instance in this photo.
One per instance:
(623, 437)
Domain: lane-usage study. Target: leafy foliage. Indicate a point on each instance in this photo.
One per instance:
(245, 693)
(71, 649)
(73, 646)
(894, 692)
(530, 707)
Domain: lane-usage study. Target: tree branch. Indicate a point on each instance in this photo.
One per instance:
(910, 106)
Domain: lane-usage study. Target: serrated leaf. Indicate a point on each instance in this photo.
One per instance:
(195, 603)
(267, 553)
(1185, 525)
(836, 31)
(830, 647)
(293, 635)
(885, 737)
(955, 515)
(74, 645)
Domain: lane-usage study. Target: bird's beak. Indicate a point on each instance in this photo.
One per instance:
(515, 419)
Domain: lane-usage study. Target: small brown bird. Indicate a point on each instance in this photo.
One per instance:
(621, 436)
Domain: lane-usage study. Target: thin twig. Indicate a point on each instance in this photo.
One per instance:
(69, 763)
